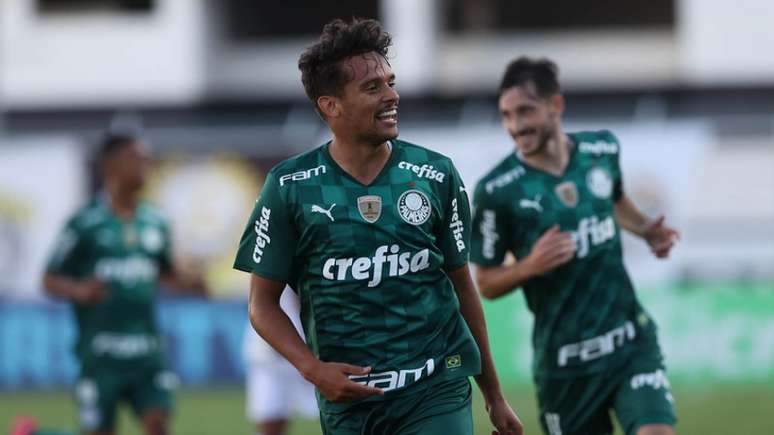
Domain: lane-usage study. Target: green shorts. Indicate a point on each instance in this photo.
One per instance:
(638, 394)
(98, 393)
(444, 408)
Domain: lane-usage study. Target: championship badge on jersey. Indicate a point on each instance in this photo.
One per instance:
(567, 193)
(370, 207)
(599, 182)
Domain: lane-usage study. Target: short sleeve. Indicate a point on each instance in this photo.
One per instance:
(616, 167)
(454, 236)
(269, 241)
(165, 256)
(488, 244)
(68, 249)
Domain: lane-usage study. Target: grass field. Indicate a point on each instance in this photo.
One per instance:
(705, 411)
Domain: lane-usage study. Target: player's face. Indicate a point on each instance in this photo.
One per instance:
(369, 102)
(130, 165)
(529, 119)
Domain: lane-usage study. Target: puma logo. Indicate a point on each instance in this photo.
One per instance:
(532, 203)
(318, 209)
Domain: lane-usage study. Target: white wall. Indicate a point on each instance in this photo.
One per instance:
(177, 55)
(42, 182)
(101, 58)
(726, 42)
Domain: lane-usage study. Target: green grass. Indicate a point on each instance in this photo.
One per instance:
(716, 410)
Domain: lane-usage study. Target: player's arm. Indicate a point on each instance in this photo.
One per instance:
(88, 291)
(501, 414)
(455, 243)
(61, 278)
(183, 282)
(660, 237)
(495, 231)
(553, 249)
(266, 250)
(656, 234)
(273, 325)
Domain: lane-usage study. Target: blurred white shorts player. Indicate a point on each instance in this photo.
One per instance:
(275, 389)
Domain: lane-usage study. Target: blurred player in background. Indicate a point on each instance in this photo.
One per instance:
(108, 262)
(373, 234)
(275, 390)
(557, 204)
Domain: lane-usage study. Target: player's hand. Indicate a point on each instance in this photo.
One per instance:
(90, 291)
(660, 237)
(553, 249)
(505, 421)
(332, 379)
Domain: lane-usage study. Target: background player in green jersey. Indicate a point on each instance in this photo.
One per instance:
(557, 204)
(108, 262)
(373, 233)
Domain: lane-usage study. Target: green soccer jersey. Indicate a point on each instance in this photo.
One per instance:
(369, 262)
(128, 256)
(587, 318)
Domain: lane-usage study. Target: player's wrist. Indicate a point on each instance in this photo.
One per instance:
(526, 268)
(645, 228)
(74, 291)
(309, 369)
(493, 398)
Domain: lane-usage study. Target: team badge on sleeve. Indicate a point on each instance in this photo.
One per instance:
(370, 207)
(567, 193)
(414, 207)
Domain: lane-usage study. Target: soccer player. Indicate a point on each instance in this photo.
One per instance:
(373, 234)
(557, 205)
(108, 262)
(275, 390)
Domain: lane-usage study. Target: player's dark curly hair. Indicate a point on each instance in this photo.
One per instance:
(543, 73)
(112, 142)
(320, 68)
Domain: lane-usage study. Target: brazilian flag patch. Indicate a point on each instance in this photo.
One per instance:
(453, 362)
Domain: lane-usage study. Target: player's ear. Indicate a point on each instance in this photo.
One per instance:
(107, 165)
(329, 106)
(557, 102)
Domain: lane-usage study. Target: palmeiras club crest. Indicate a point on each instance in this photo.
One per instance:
(599, 182)
(414, 207)
(370, 207)
(567, 193)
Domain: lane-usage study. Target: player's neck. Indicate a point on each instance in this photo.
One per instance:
(123, 202)
(554, 157)
(362, 161)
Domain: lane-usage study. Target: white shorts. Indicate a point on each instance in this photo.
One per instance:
(276, 391)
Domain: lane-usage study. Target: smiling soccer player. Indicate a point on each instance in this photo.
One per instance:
(556, 204)
(366, 228)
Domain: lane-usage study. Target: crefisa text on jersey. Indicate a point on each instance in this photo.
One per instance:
(261, 234)
(592, 232)
(424, 171)
(489, 232)
(457, 227)
(364, 268)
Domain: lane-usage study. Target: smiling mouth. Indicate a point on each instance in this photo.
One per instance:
(389, 115)
(526, 132)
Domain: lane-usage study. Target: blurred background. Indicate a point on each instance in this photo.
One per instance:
(686, 85)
